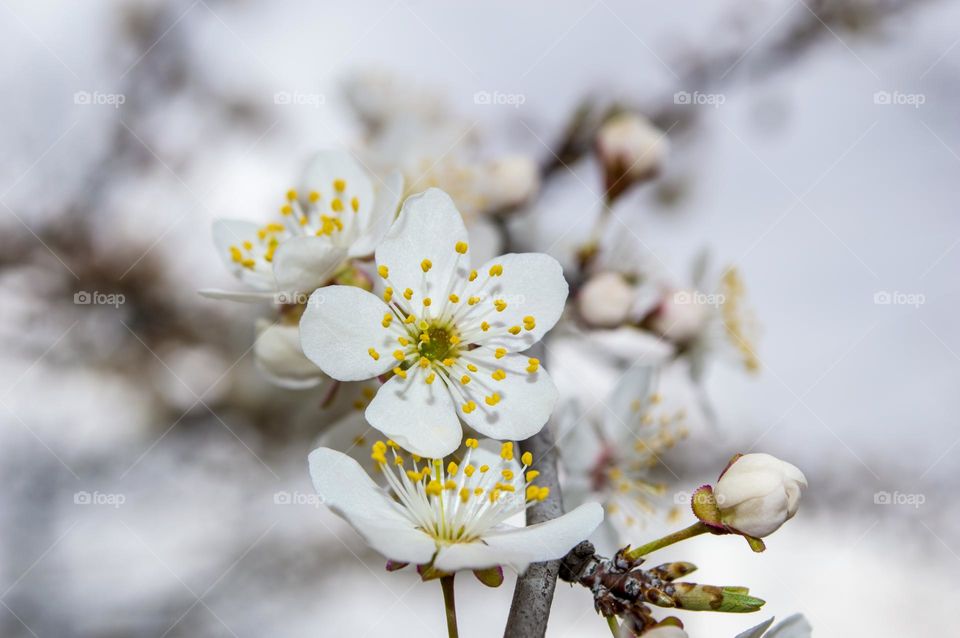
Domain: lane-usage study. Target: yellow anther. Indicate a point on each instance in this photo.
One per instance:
(368, 392)
(533, 365)
(472, 443)
(355, 204)
(484, 468)
(424, 337)
(434, 488)
(452, 468)
(409, 319)
(473, 301)
(454, 339)
(506, 451)
(430, 378)
(248, 245)
(407, 294)
(500, 353)
(235, 254)
(387, 319)
(398, 355)
(423, 324)
(383, 271)
(302, 221)
(398, 460)
(496, 270)
(388, 294)
(340, 185)
(499, 375)
(465, 379)
(427, 301)
(469, 407)
(532, 474)
(403, 341)
(469, 470)
(286, 209)
(426, 265)
(506, 487)
(248, 263)
(450, 485)
(336, 205)
(492, 400)
(424, 362)
(453, 298)
(526, 458)
(314, 197)
(507, 474)
(378, 457)
(543, 493)
(500, 304)
(473, 275)
(464, 494)
(414, 476)
(373, 354)
(400, 372)
(461, 247)
(514, 330)
(449, 361)
(484, 326)
(359, 405)
(532, 491)
(291, 195)
(529, 322)
(478, 491)
(494, 495)
(472, 368)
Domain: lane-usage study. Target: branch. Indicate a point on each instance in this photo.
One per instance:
(533, 594)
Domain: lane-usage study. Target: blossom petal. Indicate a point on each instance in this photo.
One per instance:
(280, 358)
(419, 416)
(524, 400)
(520, 546)
(531, 285)
(381, 217)
(347, 490)
(229, 233)
(328, 166)
(243, 296)
(631, 344)
(303, 264)
(429, 227)
(340, 326)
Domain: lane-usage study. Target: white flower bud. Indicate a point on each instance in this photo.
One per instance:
(679, 317)
(511, 181)
(758, 493)
(605, 300)
(631, 149)
(280, 358)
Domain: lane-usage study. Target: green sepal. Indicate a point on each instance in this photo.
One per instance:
(491, 577)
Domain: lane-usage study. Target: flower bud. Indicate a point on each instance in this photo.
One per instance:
(631, 150)
(758, 493)
(510, 181)
(679, 318)
(605, 300)
(280, 358)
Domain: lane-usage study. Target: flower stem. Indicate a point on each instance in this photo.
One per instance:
(614, 627)
(446, 583)
(688, 532)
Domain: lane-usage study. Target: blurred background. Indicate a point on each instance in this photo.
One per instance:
(141, 454)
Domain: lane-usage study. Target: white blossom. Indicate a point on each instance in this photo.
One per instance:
(447, 514)
(450, 334)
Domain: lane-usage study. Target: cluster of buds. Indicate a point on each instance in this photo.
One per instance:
(622, 588)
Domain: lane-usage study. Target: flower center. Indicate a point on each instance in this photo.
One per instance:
(459, 502)
(440, 343)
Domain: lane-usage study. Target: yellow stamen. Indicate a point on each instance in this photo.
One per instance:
(426, 265)
(461, 247)
(374, 354)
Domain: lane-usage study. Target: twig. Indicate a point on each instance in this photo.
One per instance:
(533, 594)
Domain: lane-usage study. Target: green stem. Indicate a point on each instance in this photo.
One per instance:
(446, 583)
(614, 627)
(688, 532)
